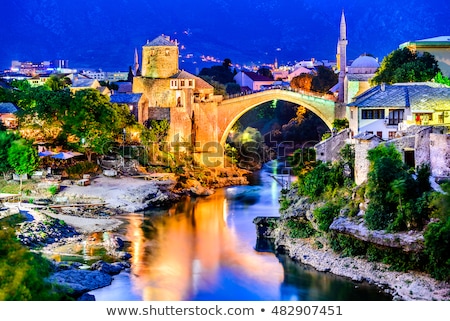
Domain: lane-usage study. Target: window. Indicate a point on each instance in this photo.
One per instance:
(167, 52)
(441, 118)
(391, 134)
(191, 83)
(351, 114)
(423, 118)
(380, 134)
(395, 116)
(372, 113)
(182, 83)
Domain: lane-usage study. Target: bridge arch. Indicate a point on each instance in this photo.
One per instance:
(230, 110)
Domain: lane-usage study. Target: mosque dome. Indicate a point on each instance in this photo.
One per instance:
(364, 64)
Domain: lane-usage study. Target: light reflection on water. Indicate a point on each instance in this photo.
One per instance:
(203, 249)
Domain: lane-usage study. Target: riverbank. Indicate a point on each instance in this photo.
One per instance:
(403, 286)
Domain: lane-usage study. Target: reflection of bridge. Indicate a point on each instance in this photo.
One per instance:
(213, 123)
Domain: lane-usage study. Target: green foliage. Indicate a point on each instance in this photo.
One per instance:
(326, 214)
(340, 124)
(249, 147)
(302, 160)
(300, 228)
(6, 140)
(397, 200)
(325, 177)
(22, 273)
(437, 247)
(347, 245)
(440, 79)
(403, 65)
(397, 259)
(442, 203)
(53, 189)
(23, 157)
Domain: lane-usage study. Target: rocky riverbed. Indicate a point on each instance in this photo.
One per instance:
(76, 213)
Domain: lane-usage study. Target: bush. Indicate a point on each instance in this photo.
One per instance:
(325, 215)
(437, 247)
(53, 189)
(300, 229)
(23, 273)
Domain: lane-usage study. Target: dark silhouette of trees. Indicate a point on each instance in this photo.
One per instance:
(220, 73)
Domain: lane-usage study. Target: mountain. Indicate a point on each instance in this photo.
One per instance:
(104, 33)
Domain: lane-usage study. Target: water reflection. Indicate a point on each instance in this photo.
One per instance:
(193, 251)
(204, 249)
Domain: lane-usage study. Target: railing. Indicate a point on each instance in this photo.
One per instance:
(299, 91)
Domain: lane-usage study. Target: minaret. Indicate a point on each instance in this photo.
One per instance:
(342, 57)
(136, 62)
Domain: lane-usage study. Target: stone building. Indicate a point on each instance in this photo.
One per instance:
(173, 94)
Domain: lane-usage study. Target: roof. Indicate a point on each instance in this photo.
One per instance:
(365, 61)
(256, 77)
(183, 75)
(441, 41)
(83, 82)
(7, 108)
(426, 96)
(160, 41)
(199, 82)
(125, 98)
(366, 136)
(124, 87)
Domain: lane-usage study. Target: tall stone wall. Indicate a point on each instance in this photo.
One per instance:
(440, 155)
(362, 164)
(328, 150)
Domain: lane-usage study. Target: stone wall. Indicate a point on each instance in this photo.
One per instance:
(328, 150)
(362, 164)
(431, 146)
(440, 155)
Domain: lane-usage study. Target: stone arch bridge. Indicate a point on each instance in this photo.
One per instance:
(214, 124)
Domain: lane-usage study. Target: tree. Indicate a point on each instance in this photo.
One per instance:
(397, 201)
(404, 65)
(302, 82)
(93, 122)
(6, 140)
(23, 158)
(265, 71)
(324, 79)
(221, 73)
(440, 79)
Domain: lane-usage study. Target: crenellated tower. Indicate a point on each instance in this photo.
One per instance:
(160, 58)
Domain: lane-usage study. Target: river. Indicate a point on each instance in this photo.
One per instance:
(204, 249)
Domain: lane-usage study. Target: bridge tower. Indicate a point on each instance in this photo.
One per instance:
(160, 58)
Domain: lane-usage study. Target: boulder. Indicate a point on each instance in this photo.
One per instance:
(111, 269)
(80, 281)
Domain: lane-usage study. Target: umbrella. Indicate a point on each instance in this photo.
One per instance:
(46, 153)
(66, 155)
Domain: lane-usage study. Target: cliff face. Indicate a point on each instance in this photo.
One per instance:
(104, 35)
